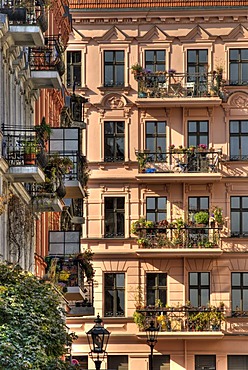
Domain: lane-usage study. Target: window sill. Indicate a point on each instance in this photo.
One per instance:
(107, 89)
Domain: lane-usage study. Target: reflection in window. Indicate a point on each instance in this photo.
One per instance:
(238, 66)
(114, 217)
(114, 295)
(114, 68)
(114, 135)
(197, 69)
(156, 209)
(156, 139)
(155, 60)
(199, 288)
(239, 216)
(73, 76)
(238, 140)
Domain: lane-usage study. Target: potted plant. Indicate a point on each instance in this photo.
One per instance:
(136, 69)
(218, 216)
(30, 151)
(201, 218)
(139, 319)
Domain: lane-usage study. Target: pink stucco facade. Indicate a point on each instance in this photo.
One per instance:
(219, 36)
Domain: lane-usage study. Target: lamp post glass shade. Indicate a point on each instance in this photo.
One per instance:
(98, 337)
(151, 334)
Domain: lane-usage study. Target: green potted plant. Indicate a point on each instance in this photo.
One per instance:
(201, 218)
(139, 319)
(30, 152)
(218, 216)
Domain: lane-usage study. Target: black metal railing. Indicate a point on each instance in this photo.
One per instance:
(170, 85)
(184, 160)
(77, 207)
(192, 236)
(48, 57)
(183, 319)
(20, 12)
(21, 147)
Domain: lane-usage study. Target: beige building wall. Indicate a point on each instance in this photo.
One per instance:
(135, 31)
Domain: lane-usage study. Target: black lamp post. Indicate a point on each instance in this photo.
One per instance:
(151, 335)
(98, 338)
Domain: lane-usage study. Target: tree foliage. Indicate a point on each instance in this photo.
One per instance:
(33, 333)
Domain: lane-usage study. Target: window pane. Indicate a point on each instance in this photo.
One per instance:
(109, 280)
(119, 56)
(120, 75)
(191, 56)
(120, 302)
(150, 127)
(244, 73)
(150, 203)
(151, 216)
(234, 147)
(235, 202)
(161, 143)
(109, 203)
(150, 144)
(244, 202)
(245, 223)
(203, 126)
(160, 55)
(161, 203)
(234, 73)
(244, 126)
(245, 279)
(234, 54)
(120, 202)
(204, 203)
(162, 296)
(204, 278)
(203, 56)
(120, 127)
(120, 280)
(109, 56)
(161, 279)
(149, 55)
(120, 147)
(245, 300)
(244, 54)
(192, 126)
(236, 300)
(193, 278)
(151, 280)
(234, 126)
(235, 222)
(236, 279)
(193, 297)
(204, 297)
(161, 127)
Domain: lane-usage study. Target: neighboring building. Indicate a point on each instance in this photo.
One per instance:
(165, 139)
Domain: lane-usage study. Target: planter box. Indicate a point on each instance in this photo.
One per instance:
(47, 204)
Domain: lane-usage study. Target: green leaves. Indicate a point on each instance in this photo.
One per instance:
(33, 334)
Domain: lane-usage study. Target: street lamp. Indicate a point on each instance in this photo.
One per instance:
(151, 335)
(98, 338)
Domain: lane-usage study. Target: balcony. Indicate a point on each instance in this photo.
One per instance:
(177, 89)
(168, 240)
(71, 270)
(184, 164)
(46, 65)
(185, 322)
(21, 150)
(72, 114)
(26, 23)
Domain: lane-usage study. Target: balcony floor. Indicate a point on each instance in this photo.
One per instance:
(74, 189)
(27, 35)
(46, 79)
(179, 177)
(175, 252)
(25, 174)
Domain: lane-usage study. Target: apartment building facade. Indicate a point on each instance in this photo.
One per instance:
(166, 212)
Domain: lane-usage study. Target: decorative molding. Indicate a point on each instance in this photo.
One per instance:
(198, 34)
(239, 100)
(113, 35)
(155, 34)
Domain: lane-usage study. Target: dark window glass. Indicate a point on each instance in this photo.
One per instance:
(239, 216)
(114, 295)
(160, 362)
(156, 209)
(238, 66)
(156, 288)
(205, 362)
(155, 60)
(118, 362)
(197, 133)
(197, 204)
(239, 292)
(197, 69)
(114, 217)
(238, 140)
(156, 139)
(114, 135)
(199, 288)
(73, 68)
(114, 68)
(237, 362)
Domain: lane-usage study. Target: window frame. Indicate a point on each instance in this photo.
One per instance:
(156, 136)
(241, 287)
(155, 63)
(115, 136)
(115, 288)
(239, 62)
(197, 134)
(199, 287)
(72, 82)
(156, 210)
(114, 63)
(240, 135)
(115, 211)
(156, 288)
(240, 210)
(198, 77)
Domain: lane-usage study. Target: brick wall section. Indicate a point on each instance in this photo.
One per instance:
(97, 4)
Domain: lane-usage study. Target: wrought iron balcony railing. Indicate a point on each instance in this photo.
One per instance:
(184, 85)
(179, 160)
(184, 237)
(48, 58)
(182, 319)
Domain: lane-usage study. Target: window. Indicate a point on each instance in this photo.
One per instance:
(238, 140)
(199, 288)
(161, 362)
(205, 362)
(156, 139)
(114, 68)
(239, 291)
(156, 209)
(239, 216)
(197, 204)
(197, 133)
(119, 362)
(197, 68)
(238, 66)
(73, 68)
(114, 295)
(114, 135)
(237, 362)
(155, 60)
(114, 217)
(156, 288)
